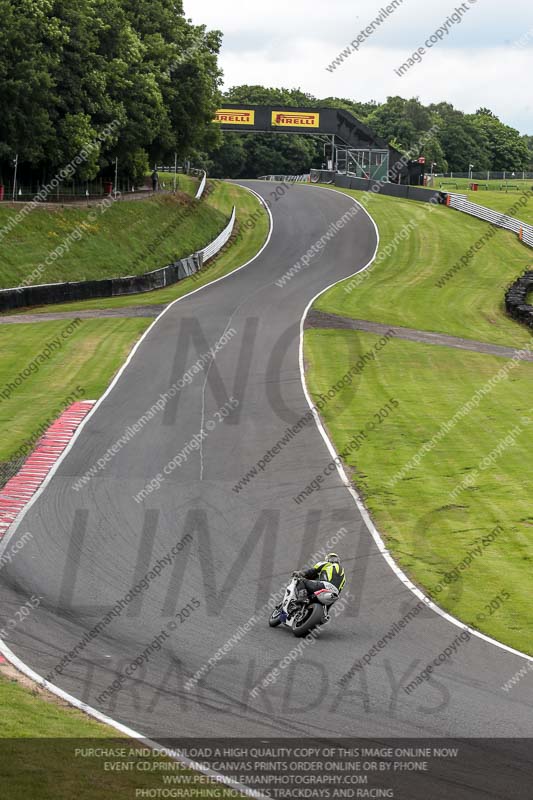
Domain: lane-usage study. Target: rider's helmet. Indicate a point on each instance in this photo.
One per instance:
(333, 558)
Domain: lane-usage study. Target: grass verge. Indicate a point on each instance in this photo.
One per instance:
(84, 360)
(60, 244)
(425, 242)
(506, 202)
(495, 194)
(252, 226)
(473, 479)
(440, 509)
(38, 730)
(45, 765)
(85, 355)
(185, 183)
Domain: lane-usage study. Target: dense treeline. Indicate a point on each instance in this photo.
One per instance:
(70, 68)
(460, 139)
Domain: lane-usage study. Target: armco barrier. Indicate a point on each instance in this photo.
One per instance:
(460, 203)
(213, 248)
(45, 294)
(515, 299)
(201, 188)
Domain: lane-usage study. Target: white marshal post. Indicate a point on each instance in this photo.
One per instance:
(16, 163)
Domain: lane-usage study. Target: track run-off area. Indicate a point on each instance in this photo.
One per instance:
(197, 509)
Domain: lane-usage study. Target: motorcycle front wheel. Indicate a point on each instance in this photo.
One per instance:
(274, 619)
(311, 617)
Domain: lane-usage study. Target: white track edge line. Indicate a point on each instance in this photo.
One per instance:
(378, 539)
(12, 530)
(8, 653)
(98, 715)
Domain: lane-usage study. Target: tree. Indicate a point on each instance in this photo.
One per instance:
(260, 95)
(361, 111)
(402, 120)
(69, 68)
(288, 154)
(528, 141)
(507, 148)
(30, 49)
(462, 141)
(229, 159)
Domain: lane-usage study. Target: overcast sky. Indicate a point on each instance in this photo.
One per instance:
(485, 60)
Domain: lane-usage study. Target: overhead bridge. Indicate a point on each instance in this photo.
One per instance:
(350, 146)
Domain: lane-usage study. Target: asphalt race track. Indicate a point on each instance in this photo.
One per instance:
(236, 549)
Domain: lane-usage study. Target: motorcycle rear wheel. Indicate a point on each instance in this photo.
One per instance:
(310, 620)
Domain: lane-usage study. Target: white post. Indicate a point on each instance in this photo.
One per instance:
(175, 172)
(116, 176)
(15, 177)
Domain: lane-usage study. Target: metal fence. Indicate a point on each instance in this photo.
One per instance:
(76, 192)
(69, 193)
(201, 188)
(215, 247)
(486, 175)
(461, 203)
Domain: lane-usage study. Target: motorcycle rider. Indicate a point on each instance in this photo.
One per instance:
(321, 576)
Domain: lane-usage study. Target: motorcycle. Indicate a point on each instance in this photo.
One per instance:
(302, 615)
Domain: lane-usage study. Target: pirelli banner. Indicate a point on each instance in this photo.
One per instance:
(268, 119)
(295, 119)
(246, 118)
(235, 116)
